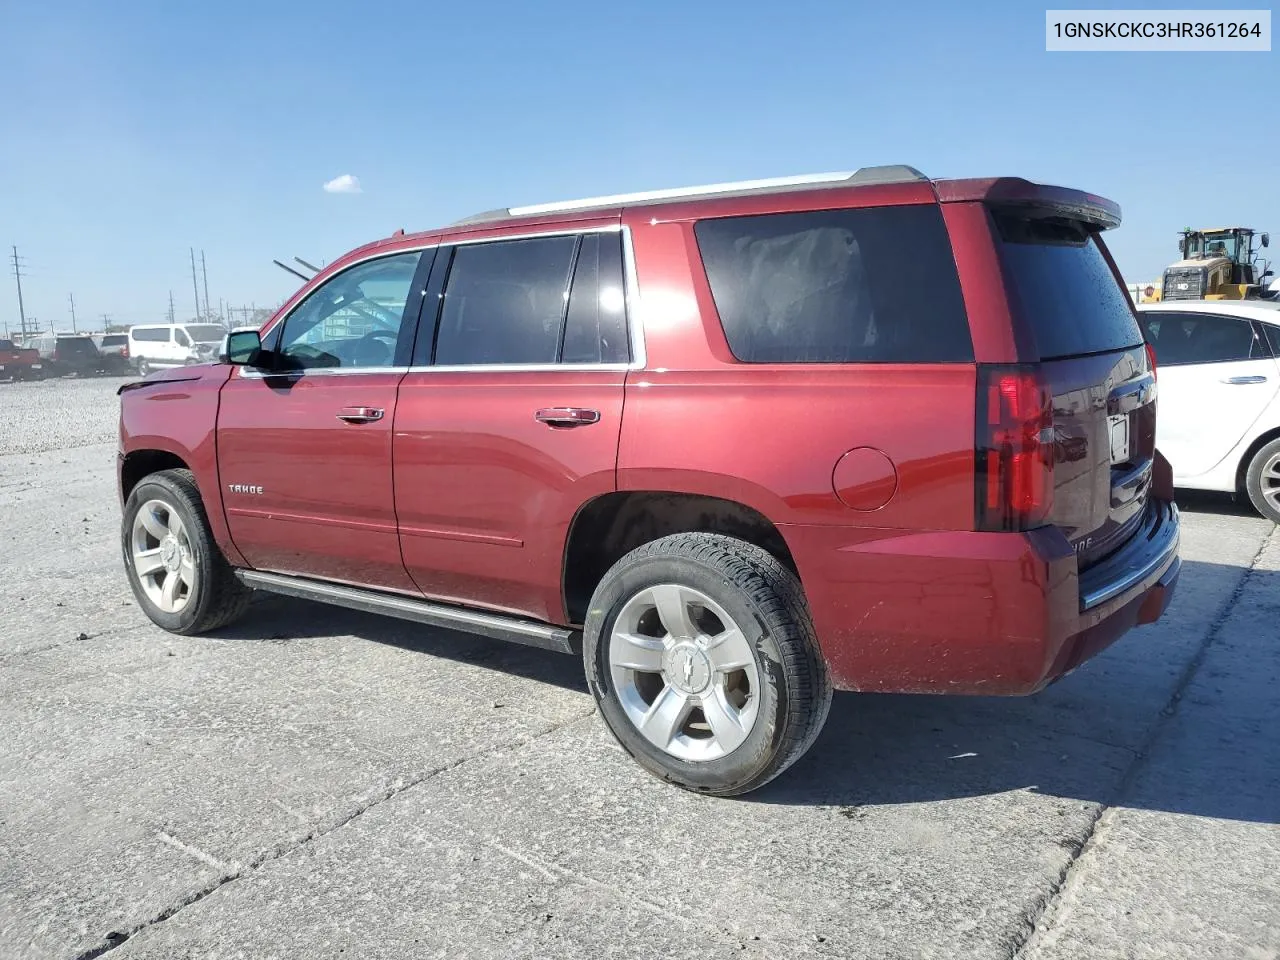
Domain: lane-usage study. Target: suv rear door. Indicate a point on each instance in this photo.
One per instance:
(1073, 315)
(1217, 376)
(509, 419)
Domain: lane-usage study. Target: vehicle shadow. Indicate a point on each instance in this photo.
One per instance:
(1123, 729)
(1084, 739)
(1209, 501)
(279, 618)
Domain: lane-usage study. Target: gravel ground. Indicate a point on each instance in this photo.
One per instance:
(59, 414)
(319, 783)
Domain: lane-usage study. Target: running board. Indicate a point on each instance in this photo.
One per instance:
(492, 625)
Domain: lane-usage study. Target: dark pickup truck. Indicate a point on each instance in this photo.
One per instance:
(18, 363)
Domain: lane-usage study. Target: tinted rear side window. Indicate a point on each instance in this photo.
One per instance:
(1273, 338)
(505, 302)
(1184, 338)
(1062, 288)
(153, 335)
(874, 285)
(596, 325)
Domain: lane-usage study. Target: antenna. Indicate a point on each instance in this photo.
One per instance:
(311, 267)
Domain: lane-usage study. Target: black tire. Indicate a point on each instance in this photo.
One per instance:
(1263, 479)
(216, 597)
(143, 367)
(766, 602)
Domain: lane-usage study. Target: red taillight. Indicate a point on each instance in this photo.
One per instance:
(1151, 359)
(1014, 449)
(124, 351)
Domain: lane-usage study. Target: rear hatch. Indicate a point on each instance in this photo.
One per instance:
(1095, 371)
(76, 351)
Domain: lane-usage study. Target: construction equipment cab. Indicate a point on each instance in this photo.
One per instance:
(1219, 264)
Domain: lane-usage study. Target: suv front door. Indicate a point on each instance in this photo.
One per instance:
(304, 445)
(510, 417)
(1216, 376)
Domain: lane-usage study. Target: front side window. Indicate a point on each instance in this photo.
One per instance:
(505, 302)
(352, 320)
(1186, 338)
(873, 285)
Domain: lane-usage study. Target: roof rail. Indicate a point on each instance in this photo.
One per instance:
(865, 176)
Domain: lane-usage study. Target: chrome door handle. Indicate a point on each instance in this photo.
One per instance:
(567, 416)
(1238, 381)
(360, 414)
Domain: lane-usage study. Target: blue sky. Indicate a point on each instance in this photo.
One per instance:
(132, 131)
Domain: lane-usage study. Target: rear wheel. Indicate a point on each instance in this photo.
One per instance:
(178, 575)
(1263, 481)
(701, 655)
(143, 367)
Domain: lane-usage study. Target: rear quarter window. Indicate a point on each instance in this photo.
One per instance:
(871, 285)
(1062, 288)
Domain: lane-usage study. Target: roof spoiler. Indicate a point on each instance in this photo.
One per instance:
(1035, 199)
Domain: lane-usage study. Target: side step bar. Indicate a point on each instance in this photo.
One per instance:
(493, 625)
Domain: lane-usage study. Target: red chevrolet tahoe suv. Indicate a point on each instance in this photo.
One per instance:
(739, 444)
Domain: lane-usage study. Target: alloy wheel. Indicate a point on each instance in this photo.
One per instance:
(684, 672)
(162, 556)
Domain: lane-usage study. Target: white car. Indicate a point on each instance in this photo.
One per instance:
(152, 346)
(1218, 379)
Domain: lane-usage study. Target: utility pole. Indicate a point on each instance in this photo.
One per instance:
(17, 276)
(171, 307)
(72, 298)
(106, 322)
(194, 288)
(205, 272)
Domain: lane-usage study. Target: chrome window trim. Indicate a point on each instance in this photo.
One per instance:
(631, 295)
(517, 367)
(248, 373)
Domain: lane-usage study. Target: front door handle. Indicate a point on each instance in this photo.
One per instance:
(360, 414)
(567, 416)
(1239, 381)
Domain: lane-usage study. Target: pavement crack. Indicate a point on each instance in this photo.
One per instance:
(229, 873)
(1041, 916)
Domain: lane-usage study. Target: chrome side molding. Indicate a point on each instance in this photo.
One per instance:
(493, 625)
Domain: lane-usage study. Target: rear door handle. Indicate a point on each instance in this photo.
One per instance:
(567, 416)
(1239, 381)
(360, 414)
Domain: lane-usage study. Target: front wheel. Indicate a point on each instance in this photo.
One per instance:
(702, 658)
(1263, 481)
(179, 576)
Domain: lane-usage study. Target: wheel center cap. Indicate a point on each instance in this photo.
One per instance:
(170, 554)
(687, 668)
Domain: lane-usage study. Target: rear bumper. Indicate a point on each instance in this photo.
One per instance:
(975, 613)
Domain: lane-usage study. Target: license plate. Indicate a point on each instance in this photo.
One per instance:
(35, 366)
(1119, 427)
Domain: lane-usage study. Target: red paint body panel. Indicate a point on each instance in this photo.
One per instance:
(485, 493)
(326, 507)
(175, 412)
(462, 495)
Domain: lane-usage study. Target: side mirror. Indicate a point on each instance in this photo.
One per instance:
(1266, 239)
(243, 348)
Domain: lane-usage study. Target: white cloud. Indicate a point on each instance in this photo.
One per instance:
(343, 184)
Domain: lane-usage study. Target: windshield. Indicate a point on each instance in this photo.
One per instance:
(1212, 245)
(205, 332)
